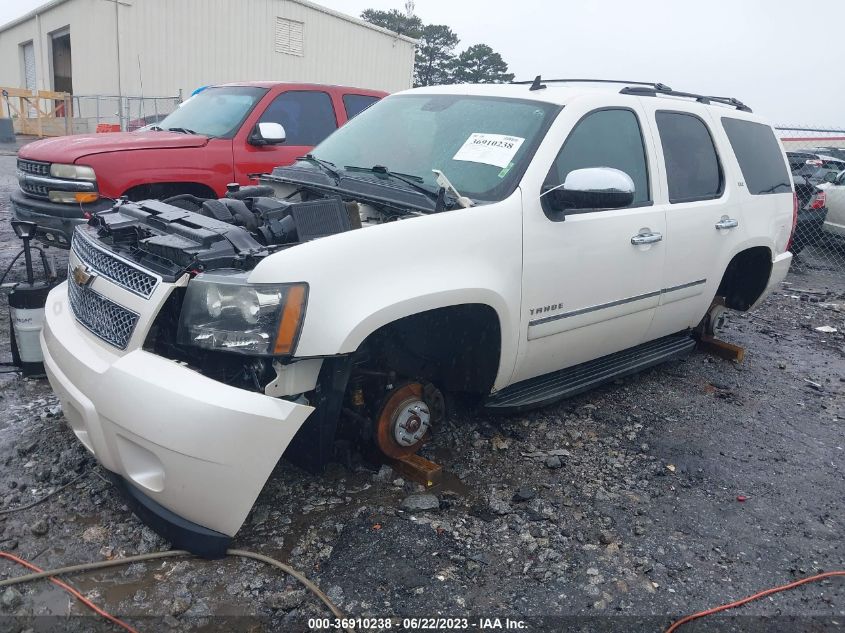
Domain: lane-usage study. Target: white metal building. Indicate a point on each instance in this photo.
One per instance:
(162, 47)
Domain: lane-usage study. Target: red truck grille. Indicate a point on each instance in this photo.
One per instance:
(34, 167)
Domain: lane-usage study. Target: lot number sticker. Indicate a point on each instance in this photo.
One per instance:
(490, 149)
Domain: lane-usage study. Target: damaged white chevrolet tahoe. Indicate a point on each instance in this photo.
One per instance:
(519, 242)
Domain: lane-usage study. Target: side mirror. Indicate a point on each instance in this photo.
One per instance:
(267, 133)
(590, 189)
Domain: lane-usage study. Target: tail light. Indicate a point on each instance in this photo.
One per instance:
(818, 201)
(794, 220)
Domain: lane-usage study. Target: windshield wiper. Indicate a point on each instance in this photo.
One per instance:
(326, 165)
(155, 128)
(183, 130)
(438, 196)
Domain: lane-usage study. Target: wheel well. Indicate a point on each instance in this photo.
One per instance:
(456, 348)
(159, 190)
(746, 278)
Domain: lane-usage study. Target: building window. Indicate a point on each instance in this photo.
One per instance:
(290, 37)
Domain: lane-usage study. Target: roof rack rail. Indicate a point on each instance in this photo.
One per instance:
(640, 88)
(538, 83)
(654, 91)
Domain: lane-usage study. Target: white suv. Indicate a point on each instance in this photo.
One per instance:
(519, 242)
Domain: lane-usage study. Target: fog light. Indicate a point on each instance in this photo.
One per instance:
(73, 197)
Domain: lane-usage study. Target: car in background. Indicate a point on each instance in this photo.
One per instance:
(809, 170)
(145, 121)
(835, 152)
(834, 194)
(797, 159)
(224, 134)
(810, 203)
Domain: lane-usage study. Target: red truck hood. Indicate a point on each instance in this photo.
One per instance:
(68, 149)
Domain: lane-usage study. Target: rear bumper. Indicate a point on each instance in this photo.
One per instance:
(54, 218)
(809, 227)
(192, 453)
(780, 267)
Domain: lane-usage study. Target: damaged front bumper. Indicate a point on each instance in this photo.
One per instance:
(191, 453)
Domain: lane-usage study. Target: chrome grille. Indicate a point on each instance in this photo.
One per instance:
(34, 167)
(114, 269)
(104, 318)
(33, 189)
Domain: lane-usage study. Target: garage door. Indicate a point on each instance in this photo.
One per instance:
(29, 65)
(29, 69)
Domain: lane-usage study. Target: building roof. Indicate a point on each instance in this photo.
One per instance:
(28, 16)
(311, 5)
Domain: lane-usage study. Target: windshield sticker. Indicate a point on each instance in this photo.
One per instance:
(490, 149)
(505, 170)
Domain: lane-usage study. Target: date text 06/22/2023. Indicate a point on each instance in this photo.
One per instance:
(417, 624)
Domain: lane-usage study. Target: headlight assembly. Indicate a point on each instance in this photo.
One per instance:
(72, 172)
(224, 312)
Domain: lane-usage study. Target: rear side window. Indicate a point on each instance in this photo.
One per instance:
(692, 165)
(605, 138)
(759, 156)
(356, 104)
(307, 116)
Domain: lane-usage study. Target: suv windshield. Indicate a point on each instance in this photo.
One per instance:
(482, 144)
(214, 111)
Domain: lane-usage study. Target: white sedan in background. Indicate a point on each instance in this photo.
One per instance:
(834, 191)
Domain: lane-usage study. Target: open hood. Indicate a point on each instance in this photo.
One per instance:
(69, 149)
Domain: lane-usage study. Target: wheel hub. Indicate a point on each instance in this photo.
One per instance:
(411, 422)
(404, 421)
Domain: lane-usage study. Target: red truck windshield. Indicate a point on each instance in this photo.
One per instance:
(216, 112)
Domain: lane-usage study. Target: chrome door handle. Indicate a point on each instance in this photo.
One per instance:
(727, 223)
(646, 238)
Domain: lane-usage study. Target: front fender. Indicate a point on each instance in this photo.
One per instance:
(364, 279)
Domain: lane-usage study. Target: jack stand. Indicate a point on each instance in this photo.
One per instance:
(418, 469)
(720, 348)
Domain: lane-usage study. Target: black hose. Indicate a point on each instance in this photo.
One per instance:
(9, 267)
(47, 268)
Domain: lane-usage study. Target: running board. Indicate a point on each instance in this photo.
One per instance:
(549, 388)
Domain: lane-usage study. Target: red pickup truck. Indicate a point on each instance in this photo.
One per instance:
(212, 139)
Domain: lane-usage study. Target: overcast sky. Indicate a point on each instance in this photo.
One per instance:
(764, 52)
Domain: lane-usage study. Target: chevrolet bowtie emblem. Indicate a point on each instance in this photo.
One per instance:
(82, 275)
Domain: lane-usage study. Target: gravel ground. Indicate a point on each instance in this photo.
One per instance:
(687, 486)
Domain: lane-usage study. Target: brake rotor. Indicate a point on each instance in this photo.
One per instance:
(403, 422)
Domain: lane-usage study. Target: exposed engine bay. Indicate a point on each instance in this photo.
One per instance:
(190, 235)
(186, 233)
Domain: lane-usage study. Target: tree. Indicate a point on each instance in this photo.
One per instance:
(434, 62)
(480, 64)
(396, 21)
(434, 55)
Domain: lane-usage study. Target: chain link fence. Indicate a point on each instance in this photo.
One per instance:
(112, 113)
(816, 158)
